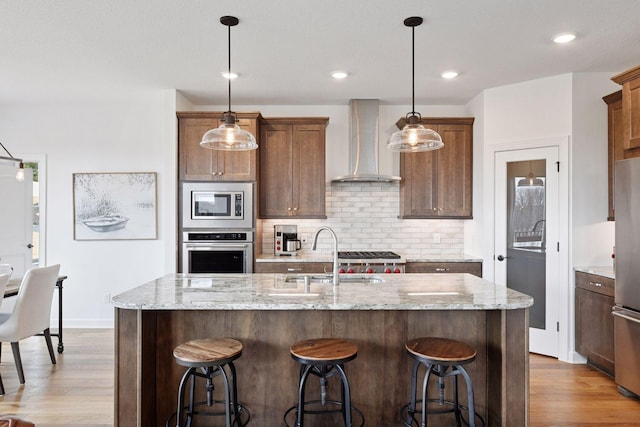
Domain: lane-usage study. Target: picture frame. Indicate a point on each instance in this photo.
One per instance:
(115, 206)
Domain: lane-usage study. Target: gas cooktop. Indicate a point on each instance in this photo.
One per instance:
(367, 255)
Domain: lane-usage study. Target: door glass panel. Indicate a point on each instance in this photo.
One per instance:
(526, 234)
(35, 254)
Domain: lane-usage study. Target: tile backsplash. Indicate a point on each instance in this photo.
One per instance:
(364, 216)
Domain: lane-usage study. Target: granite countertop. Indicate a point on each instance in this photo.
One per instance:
(272, 292)
(313, 256)
(604, 271)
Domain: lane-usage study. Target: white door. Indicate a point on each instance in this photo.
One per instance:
(16, 219)
(527, 220)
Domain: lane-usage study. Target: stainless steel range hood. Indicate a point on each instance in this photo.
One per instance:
(363, 143)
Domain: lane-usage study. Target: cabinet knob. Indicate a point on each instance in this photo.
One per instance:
(289, 209)
(295, 209)
(220, 173)
(596, 284)
(435, 209)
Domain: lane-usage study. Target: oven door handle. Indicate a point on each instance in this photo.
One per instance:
(216, 246)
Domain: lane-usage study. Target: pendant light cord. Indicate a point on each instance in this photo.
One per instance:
(413, 71)
(229, 64)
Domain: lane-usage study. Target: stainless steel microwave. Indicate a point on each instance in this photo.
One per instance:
(227, 205)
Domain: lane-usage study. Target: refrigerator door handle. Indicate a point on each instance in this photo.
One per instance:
(625, 315)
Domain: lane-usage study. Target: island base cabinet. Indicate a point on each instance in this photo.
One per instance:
(147, 376)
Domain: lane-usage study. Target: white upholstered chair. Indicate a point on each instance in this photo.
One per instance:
(31, 313)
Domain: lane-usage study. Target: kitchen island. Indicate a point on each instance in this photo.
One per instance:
(269, 312)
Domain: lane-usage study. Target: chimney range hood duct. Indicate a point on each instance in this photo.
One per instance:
(363, 143)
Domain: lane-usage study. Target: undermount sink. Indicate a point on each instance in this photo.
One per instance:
(327, 278)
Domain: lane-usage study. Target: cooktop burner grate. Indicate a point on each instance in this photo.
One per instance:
(367, 255)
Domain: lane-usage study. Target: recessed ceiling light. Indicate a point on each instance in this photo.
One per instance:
(339, 75)
(228, 75)
(449, 74)
(564, 37)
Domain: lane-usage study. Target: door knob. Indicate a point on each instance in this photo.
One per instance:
(29, 246)
(502, 258)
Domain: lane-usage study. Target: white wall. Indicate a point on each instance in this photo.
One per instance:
(593, 235)
(128, 136)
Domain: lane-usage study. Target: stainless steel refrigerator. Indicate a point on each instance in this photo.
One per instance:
(627, 295)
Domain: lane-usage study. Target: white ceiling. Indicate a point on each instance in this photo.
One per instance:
(284, 50)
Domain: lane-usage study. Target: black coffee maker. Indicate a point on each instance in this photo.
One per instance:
(285, 240)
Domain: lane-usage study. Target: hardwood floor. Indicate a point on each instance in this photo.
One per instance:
(78, 391)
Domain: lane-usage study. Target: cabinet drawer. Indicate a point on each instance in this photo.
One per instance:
(594, 283)
(474, 268)
(293, 267)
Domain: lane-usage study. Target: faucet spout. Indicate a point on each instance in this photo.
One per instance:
(336, 274)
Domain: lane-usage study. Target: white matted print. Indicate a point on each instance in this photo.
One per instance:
(114, 206)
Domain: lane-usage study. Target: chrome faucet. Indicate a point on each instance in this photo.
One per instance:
(336, 275)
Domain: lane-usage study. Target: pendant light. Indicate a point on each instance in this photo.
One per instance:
(20, 172)
(414, 137)
(229, 136)
(530, 180)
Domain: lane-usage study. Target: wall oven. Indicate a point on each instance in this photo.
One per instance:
(210, 251)
(226, 205)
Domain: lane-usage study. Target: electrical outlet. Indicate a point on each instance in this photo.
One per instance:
(106, 299)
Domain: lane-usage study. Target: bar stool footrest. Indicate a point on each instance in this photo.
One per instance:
(237, 420)
(337, 410)
(404, 412)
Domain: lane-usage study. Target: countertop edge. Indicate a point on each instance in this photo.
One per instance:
(603, 271)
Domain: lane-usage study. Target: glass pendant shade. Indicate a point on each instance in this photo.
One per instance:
(530, 181)
(229, 136)
(413, 138)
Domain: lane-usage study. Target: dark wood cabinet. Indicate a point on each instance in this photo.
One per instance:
(201, 164)
(292, 168)
(594, 322)
(630, 81)
(293, 267)
(438, 184)
(474, 268)
(615, 142)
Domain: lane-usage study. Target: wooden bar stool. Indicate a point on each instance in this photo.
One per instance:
(212, 356)
(324, 357)
(444, 358)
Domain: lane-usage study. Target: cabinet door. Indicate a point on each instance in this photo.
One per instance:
(308, 170)
(615, 143)
(417, 196)
(594, 328)
(453, 172)
(195, 162)
(237, 165)
(276, 178)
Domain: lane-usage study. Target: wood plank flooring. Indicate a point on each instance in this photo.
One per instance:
(78, 391)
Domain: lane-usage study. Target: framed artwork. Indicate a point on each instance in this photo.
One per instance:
(115, 206)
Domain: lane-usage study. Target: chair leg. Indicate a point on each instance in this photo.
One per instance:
(47, 338)
(1, 387)
(15, 347)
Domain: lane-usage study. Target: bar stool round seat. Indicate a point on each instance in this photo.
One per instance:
(444, 358)
(209, 358)
(323, 357)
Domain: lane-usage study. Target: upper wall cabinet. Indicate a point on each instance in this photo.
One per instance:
(202, 164)
(292, 168)
(630, 81)
(438, 184)
(615, 142)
